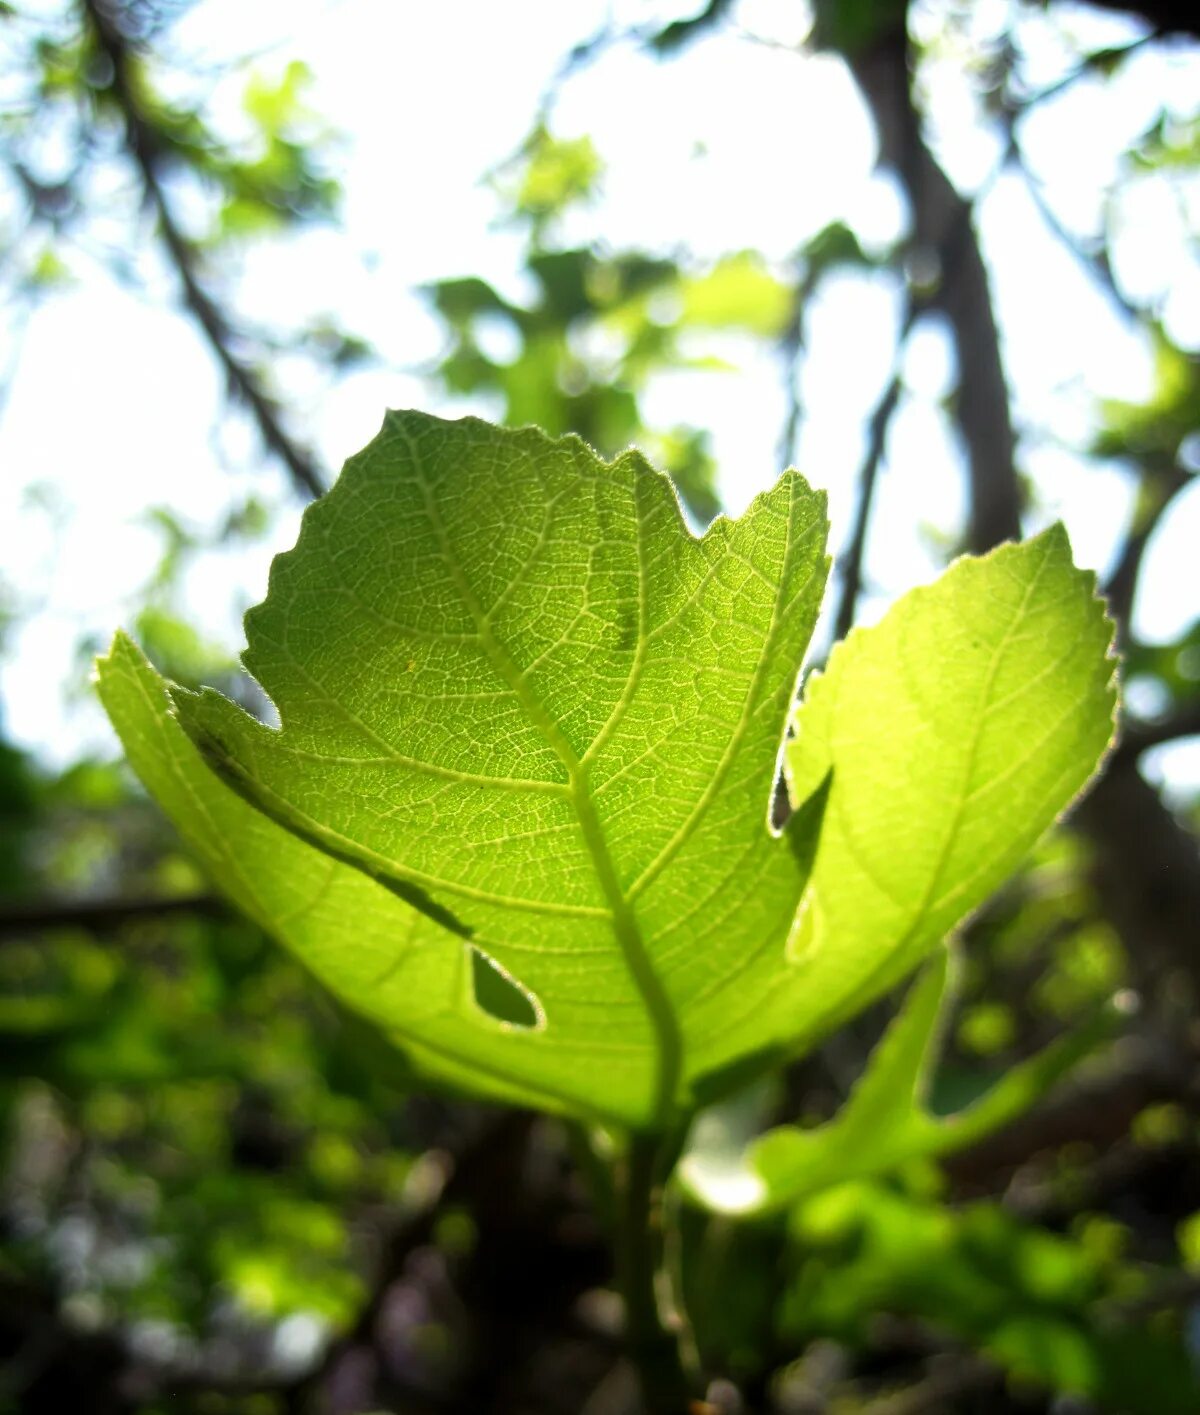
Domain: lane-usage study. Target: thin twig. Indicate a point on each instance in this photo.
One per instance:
(1094, 261)
(146, 148)
(791, 348)
(851, 560)
(1091, 64)
(101, 915)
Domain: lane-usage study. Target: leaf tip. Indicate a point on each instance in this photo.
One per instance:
(123, 652)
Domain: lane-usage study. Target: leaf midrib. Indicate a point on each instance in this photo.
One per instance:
(625, 925)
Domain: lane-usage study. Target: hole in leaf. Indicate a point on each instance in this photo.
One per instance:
(500, 995)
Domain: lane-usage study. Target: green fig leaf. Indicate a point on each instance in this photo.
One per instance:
(529, 731)
(954, 733)
(516, 810)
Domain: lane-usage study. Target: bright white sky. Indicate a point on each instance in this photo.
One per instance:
(115, 397)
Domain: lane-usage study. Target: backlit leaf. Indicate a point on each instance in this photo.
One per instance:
(526, 716)
(516, 811)
(954, 732)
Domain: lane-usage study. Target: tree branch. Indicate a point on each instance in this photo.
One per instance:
(147, 151)
(1093, 1107)
(1139, 737)
(101, 915)
(1158, 489)
(1146, 870)
(957, 1375)
(1166, 15)
(1170, 1292)
(942, 228)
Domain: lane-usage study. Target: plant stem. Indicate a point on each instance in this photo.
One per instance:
(653, 1347)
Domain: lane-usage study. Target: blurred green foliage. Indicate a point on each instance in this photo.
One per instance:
(1043, 1305)
(1046, 1307)
(180, 1080)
